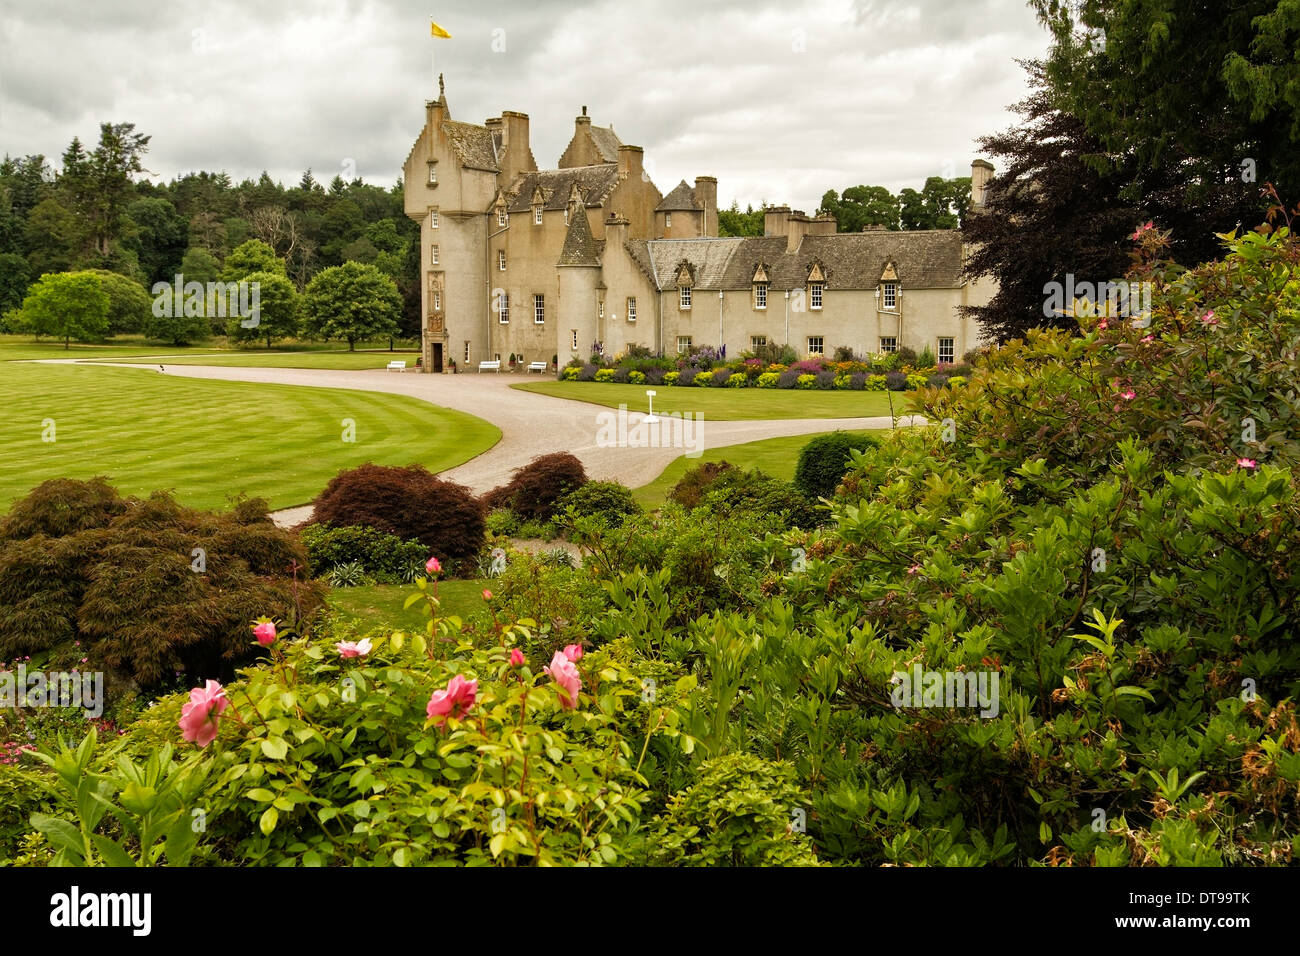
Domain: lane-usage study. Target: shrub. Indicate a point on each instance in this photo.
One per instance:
(587, 373)
(896, 381)
(686, 377)
(535, 490)
(690, 488)
(842, 353)
(906, 355)
(741, 493)
(670, 378)
(789, 378)
(721, 376)
(936, 381)
(570, 373)
(501, 522)
(824, 380)
(607, 500)
(916, 380)
(737, 380)
(805, 381)
(700, 379)
(956, 381)
(408, 503)
(824, 460)
(639, 378)
(605, 375)
(925, 359)
(768, 380)
(877, 383)
(382, 557)
(124, 578)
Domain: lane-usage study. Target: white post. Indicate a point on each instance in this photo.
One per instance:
(650, 396)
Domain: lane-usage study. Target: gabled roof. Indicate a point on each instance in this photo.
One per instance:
(606, 142)
(681, 197)
(473, 145)
(579, 245)
(594, 185)
(929, 259)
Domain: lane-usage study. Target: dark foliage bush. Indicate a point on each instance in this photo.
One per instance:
(896, 381)
(621, 375)
(608, 500)
(751, 493)
(382, 556)
(124, 577)
(937, 380)
(858, 381)
(588, 373)
(826, 380)
(654, 376)
(409, 503)
(824, 460)
(687, 377)
(535, 490)
(689, 490)
(720, 377)
(907, 355)
(789, 378)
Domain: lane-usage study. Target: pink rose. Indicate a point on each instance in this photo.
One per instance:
(487, 595)
(455, 701)
(265, 633)
(433, 565)
(1246, 463)
(353, 648)
(1128, 394)
(516, 658)
(566, 676)
(573, 652)
(199, 717)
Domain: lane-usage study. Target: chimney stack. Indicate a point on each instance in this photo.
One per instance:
(629, 161)
(706, 193)
(776, 221)
(981, 171)
(517, 155)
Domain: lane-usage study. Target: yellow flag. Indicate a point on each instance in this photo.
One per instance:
(438, 31)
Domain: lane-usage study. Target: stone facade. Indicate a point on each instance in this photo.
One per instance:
(541, 264)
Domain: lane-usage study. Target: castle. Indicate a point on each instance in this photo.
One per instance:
(542, 264)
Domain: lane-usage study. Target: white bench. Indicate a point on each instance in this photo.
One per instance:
(537, 366)
(397, 365)
(494, 366)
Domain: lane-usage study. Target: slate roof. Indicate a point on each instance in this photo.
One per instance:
(473, 145)
(594, 185)
(681, 197)
(579, 244)
(606, 142)
(929, 259)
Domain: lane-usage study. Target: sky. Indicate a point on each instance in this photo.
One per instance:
(779, 101)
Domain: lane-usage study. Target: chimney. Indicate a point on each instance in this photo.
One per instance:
(706, 193)
(629, 161)
(776, 221)
(981, 171)
(517, 156)
(823, 225)
(615, 231)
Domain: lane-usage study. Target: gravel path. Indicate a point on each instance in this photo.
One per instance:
(530, 424)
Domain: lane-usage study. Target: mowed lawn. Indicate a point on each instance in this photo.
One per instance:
(380, 605)
(774, 456)
(207, 440)
(350, 361)
(723, 404)
(23, 347)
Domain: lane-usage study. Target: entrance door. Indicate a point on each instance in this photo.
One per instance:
(437, 356)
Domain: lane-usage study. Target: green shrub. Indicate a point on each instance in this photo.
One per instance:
(875, 383)
(925, 359)
(737, 380)
(382, 557)
(806, 381)
(534, 491)
(690, 488)
(916, 380)
(670, 378)
(570, 373)
(741, 492)
(704, 379)
(636, 377)
(768, 380)
(605, 375)
(607, 500)
(956, 381)
(502, 521)
(408, 503)
(824, 460)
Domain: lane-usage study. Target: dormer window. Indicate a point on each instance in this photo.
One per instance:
(685, 297)
(814, 295)
(433, 174)
(889, 296)
(760, 295)
(501, 216)
(537, 215)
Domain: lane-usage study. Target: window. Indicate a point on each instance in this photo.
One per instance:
(683, 343)
(668, 220)
(890, 298)
(888, 344)
(504, 308)
(566, 215)
(815, 296)
(631, 309)
(760, 295)
(501, 259)
(539, 310)
(501, 216)
(467, 353)
(575, 339)
(685, 292)
(433, 255)
(757, 342)
(437, 301)
(537, 215)
(815, 346)
(433, 219)
(602, 308)
(433, 174)
(946, 351)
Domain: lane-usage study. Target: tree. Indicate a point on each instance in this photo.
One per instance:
(53, 236)
(277, 313)
(68, 305)
(129, 305)
(860, 207)
(160, 237)
(199, 265)
(15, 277)
(1048, 213)
(733, 222)
(353, 302)
(249, 257)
